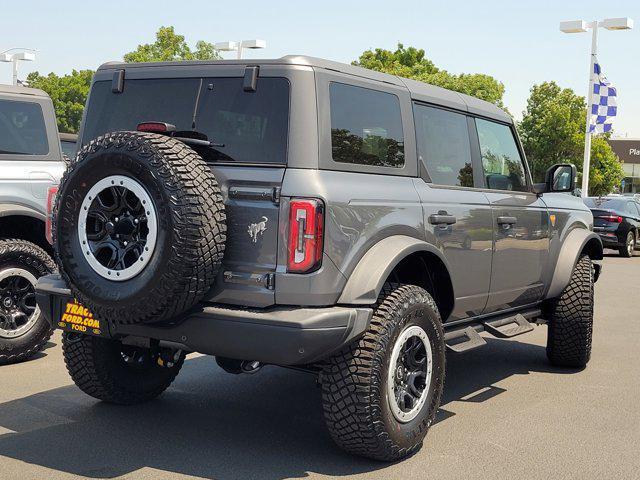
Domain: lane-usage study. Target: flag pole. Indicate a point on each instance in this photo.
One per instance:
(587, 133)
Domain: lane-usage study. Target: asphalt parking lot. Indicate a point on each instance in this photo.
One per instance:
(506, 414)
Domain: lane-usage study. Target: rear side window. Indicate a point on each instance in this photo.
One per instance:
(250, 127)
(366, 126)
(443, 145)
(631, 209)
(22, 129)
(501, 161)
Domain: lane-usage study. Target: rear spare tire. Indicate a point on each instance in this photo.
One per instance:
(139, 227)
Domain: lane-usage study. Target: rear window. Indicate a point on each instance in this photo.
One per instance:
(22, 129)
(251, 127)
(605, 203)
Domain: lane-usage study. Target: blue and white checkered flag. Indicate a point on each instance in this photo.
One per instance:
(603, 103)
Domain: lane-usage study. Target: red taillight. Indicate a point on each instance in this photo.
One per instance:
(51, 198)
(306, 222)
(155, 127)
(611, 218)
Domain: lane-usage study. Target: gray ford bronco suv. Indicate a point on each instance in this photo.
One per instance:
(31, 163)
(309, 214)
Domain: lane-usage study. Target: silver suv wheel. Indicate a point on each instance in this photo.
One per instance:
(18, 308)
(410, 372)
(117, 227)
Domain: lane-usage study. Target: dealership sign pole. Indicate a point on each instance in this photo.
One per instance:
(579, 26)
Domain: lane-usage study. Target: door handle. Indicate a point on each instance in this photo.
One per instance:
(507, 222)
(441, 219)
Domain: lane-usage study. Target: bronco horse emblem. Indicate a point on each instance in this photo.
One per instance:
(256, 229)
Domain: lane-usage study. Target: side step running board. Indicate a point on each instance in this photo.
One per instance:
(508, 327)
(464, 340)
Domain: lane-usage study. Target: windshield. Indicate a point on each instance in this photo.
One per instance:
(68, 148)
(249, 127)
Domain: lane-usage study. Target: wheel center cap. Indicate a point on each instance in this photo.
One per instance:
(125, 226)
(7, 302)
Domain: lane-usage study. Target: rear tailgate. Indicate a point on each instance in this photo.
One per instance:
(252, 197)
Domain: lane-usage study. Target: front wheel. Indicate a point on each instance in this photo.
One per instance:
(381, 394)
(629, 246)
(571, 323)
(117, 373)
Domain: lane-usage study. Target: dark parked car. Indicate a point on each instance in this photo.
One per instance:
(617, 221)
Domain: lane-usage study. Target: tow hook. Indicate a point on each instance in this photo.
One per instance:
(168, 358)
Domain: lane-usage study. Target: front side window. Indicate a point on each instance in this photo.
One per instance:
(366, 127)
(22, 129)
(501, 161)
(443, 145)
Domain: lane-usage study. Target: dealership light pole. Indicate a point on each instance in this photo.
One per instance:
(239, 46)
(27, 54)
(580, 26)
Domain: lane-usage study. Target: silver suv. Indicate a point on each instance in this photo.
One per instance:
(309, 214)
(30, 163)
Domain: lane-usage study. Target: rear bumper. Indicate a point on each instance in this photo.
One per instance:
(278, 335)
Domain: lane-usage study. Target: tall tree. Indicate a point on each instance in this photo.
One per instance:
(410, 62)
(68, 92)
(169, 46)
(552, 131)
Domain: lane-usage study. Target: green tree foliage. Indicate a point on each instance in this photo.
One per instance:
(411, 62)
(169, 46)
(552, 131)
(68, 92)
(606, 171)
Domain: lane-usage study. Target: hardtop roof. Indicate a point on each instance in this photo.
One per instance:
(20, 90)
(419, 91)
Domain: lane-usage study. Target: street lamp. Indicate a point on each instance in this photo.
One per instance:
(239, 46)
(580, 26)
(14, 58)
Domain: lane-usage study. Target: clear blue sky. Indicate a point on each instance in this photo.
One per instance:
(516, 41)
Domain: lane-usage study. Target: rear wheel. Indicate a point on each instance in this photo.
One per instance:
(571, 323)
(23, 329)
(116, 373)
(629, 246)
(381, 394)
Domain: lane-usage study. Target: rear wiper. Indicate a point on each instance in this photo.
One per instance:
(200, 142)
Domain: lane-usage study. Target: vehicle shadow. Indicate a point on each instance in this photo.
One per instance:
(214, 425)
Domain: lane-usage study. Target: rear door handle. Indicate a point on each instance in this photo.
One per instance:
(507, 221)
(441, 219)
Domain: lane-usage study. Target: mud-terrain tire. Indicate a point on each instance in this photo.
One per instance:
(571, 324)
(187, 220)
(355, 382)
(629, 246)
(23, 262)
(114, 373)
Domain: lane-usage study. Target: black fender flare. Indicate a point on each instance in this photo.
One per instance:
(375, 266)
(576, 242)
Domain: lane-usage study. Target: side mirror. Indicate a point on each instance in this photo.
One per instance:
(559, 178)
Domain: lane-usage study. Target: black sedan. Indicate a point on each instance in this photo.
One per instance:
(617, 221)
